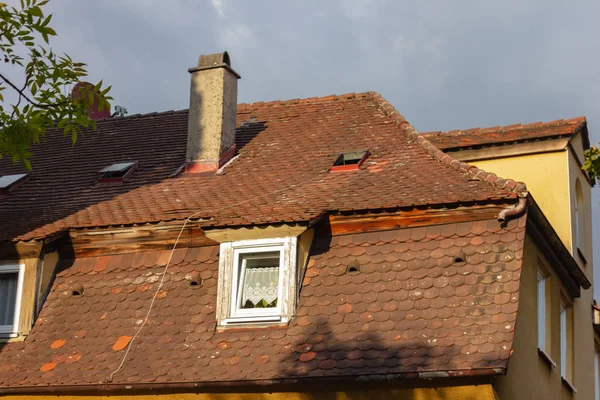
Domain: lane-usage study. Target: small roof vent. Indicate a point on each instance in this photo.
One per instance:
(349, 160)
(117, 172)
(9, 182)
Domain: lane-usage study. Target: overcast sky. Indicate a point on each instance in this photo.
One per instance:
(443, 64)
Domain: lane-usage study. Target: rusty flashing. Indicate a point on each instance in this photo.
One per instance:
(194, 167)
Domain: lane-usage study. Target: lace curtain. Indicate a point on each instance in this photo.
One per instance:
(8, 297)
(260, 288)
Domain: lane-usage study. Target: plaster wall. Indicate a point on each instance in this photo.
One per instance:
(547, 178)
(529, 375)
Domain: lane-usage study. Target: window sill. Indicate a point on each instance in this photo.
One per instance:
(546, 358)
(251, 327)
(568, 384)
(580, 254)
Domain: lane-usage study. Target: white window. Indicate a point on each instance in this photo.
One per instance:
(566, 341)
(543, 310)
(257, 281)
(11, 284)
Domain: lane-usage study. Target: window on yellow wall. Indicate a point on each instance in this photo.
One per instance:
(566, 342)
(579, 219)
(543, 309)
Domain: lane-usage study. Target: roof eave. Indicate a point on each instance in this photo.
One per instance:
(349, 381)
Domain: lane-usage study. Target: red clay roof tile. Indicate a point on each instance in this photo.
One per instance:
(281, 174)
(388, 318)
(498, 135)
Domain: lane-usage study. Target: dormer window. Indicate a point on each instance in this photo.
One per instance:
(257, 281)
(117, 172)
(11, 285)
(9, 182)
(351, 160)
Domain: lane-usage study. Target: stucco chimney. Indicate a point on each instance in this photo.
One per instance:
(213, 109)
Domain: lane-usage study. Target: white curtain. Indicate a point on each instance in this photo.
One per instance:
(260, 283)
(8, 297)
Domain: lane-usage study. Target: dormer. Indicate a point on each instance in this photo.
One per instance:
(26, 273)
(260, 274)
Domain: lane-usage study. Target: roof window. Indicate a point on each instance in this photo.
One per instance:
(350, 160)
(117, 172)
(9, 182)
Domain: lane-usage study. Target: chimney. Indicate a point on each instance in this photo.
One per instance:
(212, 115)
(81, 92)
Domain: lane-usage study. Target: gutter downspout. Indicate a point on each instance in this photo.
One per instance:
(514, 210)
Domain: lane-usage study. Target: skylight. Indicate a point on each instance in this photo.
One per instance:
(117, 172)
(350, 160)
(7, 182)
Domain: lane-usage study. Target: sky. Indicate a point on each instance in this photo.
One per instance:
(444, 65)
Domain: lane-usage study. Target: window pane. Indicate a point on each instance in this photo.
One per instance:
(8, 296)
(260, 287)
(542, 312)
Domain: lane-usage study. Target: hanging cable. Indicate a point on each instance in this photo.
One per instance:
(164, 272)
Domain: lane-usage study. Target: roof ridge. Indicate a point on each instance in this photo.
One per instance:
(308, 100)
(517, 126)
(288, 102)
(472, 171)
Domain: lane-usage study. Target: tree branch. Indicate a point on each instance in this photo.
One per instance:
(21, 93)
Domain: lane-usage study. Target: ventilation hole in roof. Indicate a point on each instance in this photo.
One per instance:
(8, 182)
(117, 172)
(353, 268)
(76, 290)
(196, 282)
(194, 279)
(350, 160)
(460, 258)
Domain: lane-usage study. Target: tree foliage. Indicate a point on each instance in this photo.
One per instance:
(39, 82)
(592, 162)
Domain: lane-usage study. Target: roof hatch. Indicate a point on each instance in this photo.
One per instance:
(117, 172)
(350, 160)
(9, 182)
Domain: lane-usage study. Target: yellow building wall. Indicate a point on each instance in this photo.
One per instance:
(547, 178)
(575, 159)
(480, 392)
(529, 375)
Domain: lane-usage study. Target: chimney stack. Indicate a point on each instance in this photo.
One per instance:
(212, 114)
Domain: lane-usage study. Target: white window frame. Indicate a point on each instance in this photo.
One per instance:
(566, 348)
(12, 330)
(230, 274)
(542, 281)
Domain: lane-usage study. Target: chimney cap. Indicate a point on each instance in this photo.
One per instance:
(217, 60)
(211, 60)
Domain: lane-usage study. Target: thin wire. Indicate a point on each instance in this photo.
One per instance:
(164, 273)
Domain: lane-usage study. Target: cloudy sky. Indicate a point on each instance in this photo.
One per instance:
(443, 64)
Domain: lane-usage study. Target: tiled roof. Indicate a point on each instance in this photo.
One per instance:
(281, 174)
(498, 135)
(410, 310)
